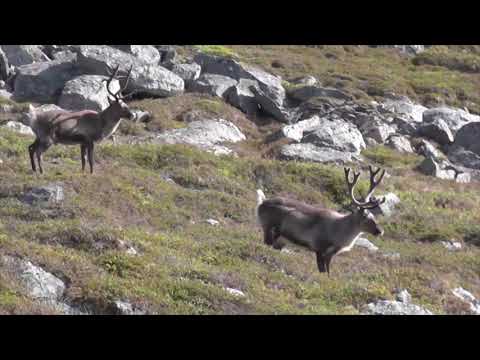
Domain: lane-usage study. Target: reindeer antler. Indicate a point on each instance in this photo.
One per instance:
(368, 203)
(113, 74)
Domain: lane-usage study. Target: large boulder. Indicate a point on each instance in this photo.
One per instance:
(436, 130)
(87, 92)
(206, 134)
(146, 53)
(145, 78)
(377, 130)
(467, 137)
(312, 153)
(270, 85)
(212, 84)
(454, 118)
(43, 81)
(464, 157)
(270, 106)
(387, 209)
(19, 55)
(336, 134)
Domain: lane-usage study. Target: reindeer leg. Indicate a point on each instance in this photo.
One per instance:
(322, 267)
(83, 150)
(90, 147)
(41, 148)
(268, 236)
(277, 245)
(31, 150)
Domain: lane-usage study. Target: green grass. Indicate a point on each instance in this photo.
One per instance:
(218, 50)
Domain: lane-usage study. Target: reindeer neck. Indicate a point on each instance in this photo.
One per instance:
(110, 121)
(349, 228)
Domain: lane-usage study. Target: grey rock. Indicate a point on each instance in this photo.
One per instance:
(270, 106)
(212, 84)
(387, 209)
(336, 134)
(405, 126)
(270, 85)
(404, 296)
(468, 297)
(377, 130)
(310, 152)
(467, 137)
(466, 158)
(212, 222)
(147, 53)
(188, 72)
(235, 292)
(168, 53)
(399, 143)
(4, 66)
(405, 108)
(296, 131)
(87, 92)
(5, 94)
(19, 55)
(367, 244)
(242, 97)
(386, 307)
(305, 80)
(436, 130)
(305, 93)
(205, 134)
(405, 49)
(19, 128)
(44, 194)
(142, 116)
(442, 169)
(43, 81)
(391, 255)
(454, 118)
(452, 245)
(64, 56)
(126, 308)
(426, 149)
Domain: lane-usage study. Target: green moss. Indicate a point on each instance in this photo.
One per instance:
(218, 50)
(385, 156)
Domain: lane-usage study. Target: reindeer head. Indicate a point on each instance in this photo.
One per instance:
(364, 218)
(116, 100)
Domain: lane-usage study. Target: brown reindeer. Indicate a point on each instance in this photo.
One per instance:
(83, 128)
(323, 231)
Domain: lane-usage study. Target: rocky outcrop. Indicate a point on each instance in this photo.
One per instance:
(366, 244)
(19, 128)
(466, 158)
(387, 307)
(4, 66)
(44, 194)
(87, 92)
(188, 72)
(242, 97)
(19, 55)
(468, 298)
(443, 169)
(43, 81)
(399, 143)
(387, 209)
(305, 93)
(404, 108)
(145, 78)
(454, 118)
(405, 49)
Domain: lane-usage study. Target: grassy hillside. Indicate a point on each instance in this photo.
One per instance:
(157, 198)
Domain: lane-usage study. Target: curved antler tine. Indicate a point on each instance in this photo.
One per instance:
(126, 82)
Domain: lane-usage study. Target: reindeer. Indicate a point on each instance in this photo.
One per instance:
(323, 231)
(83, 128)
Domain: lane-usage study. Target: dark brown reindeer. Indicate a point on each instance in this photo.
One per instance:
(323, 231)
(83, 128)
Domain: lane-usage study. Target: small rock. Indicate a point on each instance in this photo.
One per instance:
(19, 128)
(142, 116)
(404, 296)
(212, 222)
(388, 207)
(452, 245)
(364, 243)
(125, 308)
(235, 292)
(391, 255)
(43, 194)
(468, 297)
(287, 251)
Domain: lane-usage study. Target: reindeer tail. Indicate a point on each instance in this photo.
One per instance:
(260, 199)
